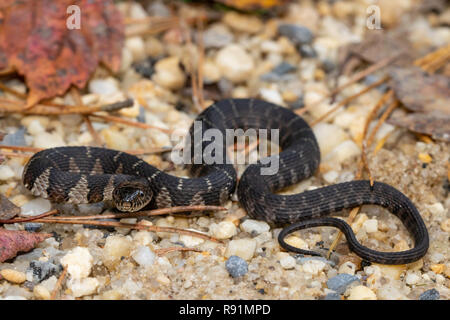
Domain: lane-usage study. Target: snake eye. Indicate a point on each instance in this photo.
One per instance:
(132, 196)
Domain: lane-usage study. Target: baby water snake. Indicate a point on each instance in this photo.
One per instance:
(89, 174)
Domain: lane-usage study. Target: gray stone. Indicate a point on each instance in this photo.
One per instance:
(431, 294)
(16, 138)
(297, 34)
(278, 73)
(332, 296)
(307, 51)
(236, 266)
(43, 270)
(32, 226)
(340, 282)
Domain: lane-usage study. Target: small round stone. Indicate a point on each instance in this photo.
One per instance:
(244, 248)
(236, 266)
(297, 34)
(235, 63)
(254, 227)
(79, 262)
(13, 276)
(431, 294)
(144, 256)
(288, 262)
(223, 230)
(361, 293)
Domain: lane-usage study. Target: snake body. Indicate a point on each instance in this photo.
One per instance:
(90, 174)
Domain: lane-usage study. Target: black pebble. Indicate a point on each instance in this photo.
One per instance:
(145, 67)
(43, 270)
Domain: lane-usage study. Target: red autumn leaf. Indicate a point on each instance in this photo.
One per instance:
(13, 241)
(36, 40)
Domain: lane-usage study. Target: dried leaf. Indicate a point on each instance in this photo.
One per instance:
(420, 91)
(8, 210)
(379, 45)
(13, 241)
(36, 41)
(436, 124)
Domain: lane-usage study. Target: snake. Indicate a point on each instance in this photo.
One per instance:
(87, 174)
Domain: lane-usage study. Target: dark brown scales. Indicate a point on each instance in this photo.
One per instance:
(88, 174)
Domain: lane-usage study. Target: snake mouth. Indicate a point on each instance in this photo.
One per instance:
(132, 196)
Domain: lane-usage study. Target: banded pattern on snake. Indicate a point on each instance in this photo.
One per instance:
(90, 174)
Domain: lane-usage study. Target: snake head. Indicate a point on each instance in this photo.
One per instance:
(131, 196)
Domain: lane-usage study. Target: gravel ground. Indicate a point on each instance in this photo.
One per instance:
(285, 60)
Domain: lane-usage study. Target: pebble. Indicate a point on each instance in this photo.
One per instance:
(16, 138)
(370, 225)
(244, 248)
(158, 8)
(43, 270)
(412, 278)
(297, 34)
(190, 241)
(105, 86)
(431, 294)
(168, 73)
(32, 226)
(340, 282)
(436, 209)
(83, 287)
(223, 230)
(254, 227)
(78, 262)
(115, 139)
(6, 173)
(235, 63)
(13, 276)
(217, 36)
(145, 67)
(41, 292)
(347, 267)
(276, 73)
(35, 128)
(361, 293)
(288, 262)
(236, 266)
(437, 257)
(271, 95)
(242, 22)
(136, 46)
(307, 51)
(36, 207)
(345, 150)
(115, 248)
(328, 136)
(47, 140)
(314, 266)
(211, 72)
(297, 242)
(297, 104)
(332, 296)
(391, 271)
(144, 256)
(162, 279)
(331, 176)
